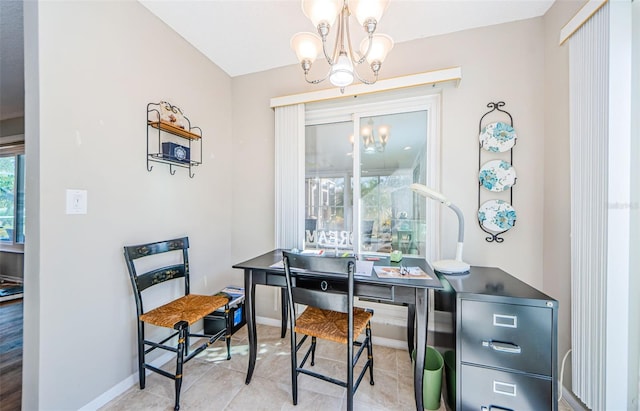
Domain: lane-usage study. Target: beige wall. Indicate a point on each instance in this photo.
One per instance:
(100, 63)
(506, 62)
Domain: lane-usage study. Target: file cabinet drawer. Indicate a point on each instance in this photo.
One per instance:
(486, 389)
(511, 336)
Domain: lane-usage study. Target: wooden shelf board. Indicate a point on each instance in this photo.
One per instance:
(174, 130)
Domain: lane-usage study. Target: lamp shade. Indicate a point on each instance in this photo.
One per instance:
(451, 267)
(381, 45)
(364, 10)
(342, 71)
(427, 192)
(306, 45)
(319, 11)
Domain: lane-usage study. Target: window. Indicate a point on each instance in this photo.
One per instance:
(12, 219)
(356, 189)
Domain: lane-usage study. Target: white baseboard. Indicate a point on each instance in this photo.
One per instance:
(123, 385)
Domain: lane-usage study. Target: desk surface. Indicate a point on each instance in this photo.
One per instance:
(266, 260)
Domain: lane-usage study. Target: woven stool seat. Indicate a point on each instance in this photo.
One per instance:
(189, 308)
(331, 325)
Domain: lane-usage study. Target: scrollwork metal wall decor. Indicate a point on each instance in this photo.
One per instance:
(496, 216)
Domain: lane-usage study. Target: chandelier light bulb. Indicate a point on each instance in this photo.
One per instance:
(307, 46)
(322, 11)
(366, 131)
(381, 45)
(383, 131)
(366, 10)
(342, 71)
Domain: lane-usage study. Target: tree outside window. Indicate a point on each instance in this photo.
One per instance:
(11, 197)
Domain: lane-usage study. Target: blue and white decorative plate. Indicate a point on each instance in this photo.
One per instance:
(497, 137)
(497, 216)
(497, 175)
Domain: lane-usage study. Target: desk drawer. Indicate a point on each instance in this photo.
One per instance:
(378, 292)
(487, 389)
(512, 336)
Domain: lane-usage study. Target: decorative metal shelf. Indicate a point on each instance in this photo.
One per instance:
(192, 136)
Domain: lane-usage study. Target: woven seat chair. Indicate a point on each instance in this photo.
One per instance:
(329, 316)
(178, 314)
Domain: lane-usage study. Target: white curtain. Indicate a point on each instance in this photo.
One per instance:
(289, 161)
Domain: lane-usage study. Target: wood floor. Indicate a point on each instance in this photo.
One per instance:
(11, 319)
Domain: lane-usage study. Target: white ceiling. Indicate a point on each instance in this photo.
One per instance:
(243, 36)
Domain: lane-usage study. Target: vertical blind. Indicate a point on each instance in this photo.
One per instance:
(589, 108)
(289, 126)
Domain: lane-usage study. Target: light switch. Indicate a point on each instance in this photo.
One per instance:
(76, 201)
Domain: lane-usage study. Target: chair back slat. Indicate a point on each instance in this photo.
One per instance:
(305, 287)
(160, 275)
(143, 250)
(155, 276)
(320, 299)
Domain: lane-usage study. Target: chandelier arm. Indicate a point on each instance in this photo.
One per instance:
(342, 24)
(316, 81)
(363, 80)
(353, 54)
(329, 59)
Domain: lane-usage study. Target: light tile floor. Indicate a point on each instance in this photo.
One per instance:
(212, 383)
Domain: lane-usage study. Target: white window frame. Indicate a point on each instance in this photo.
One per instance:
(13, 146)
(290, 150)
(385, 104)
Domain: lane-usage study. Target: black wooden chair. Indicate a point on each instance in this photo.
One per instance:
(329, 315)
(178, 314)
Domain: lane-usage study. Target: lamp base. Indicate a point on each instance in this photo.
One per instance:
(451, 267)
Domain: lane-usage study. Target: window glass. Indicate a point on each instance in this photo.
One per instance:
(392, 152)
(11, 198)
(392, 155)
(328, 170)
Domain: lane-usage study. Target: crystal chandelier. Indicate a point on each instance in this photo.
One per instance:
(344, 58)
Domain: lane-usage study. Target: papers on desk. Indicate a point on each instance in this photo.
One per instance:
(279, 264)
(363, 268)
(401, 272)
(234, 293)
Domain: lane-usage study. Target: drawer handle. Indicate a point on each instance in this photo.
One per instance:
(494, 407)
(502, 347)
(324, 285)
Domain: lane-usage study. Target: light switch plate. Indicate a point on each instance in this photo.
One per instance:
(76, 201)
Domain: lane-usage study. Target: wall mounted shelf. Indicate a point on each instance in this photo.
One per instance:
(171, 139)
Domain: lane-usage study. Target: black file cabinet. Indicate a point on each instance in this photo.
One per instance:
(506, 343)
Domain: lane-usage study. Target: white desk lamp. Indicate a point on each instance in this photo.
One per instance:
(450, 267)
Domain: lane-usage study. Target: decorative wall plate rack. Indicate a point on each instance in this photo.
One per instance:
(496, 175)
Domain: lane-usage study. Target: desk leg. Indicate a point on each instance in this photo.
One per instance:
(411, 327)
(422, 317)
(250, 307)
(284, 311)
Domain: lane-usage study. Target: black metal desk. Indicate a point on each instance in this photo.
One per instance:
(413, 292)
